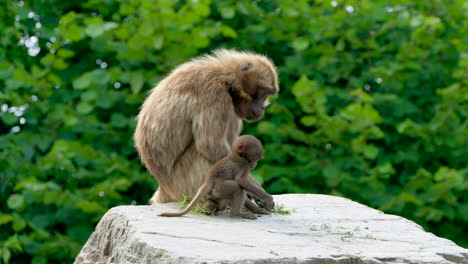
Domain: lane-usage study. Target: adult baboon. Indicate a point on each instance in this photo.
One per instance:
(191, 118)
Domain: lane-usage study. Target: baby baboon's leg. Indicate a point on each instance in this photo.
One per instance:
(237, 202)
(253, 207)
(222, 205)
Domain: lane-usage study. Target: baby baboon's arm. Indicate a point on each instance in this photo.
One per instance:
(249, 184)
(253, 207)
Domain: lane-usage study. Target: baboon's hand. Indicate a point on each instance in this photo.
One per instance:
(266, 203)
(262, 211)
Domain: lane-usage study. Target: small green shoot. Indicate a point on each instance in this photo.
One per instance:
(279, 209)
(346, 235)
(313, 228)
(197, 209)
(273, 253)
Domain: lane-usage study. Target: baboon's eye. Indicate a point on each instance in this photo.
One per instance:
(261, 88)
(245, 67)
(255, 97)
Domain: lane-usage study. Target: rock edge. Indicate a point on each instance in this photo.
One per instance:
(320, 229)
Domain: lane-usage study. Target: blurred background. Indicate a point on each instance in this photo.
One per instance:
(373, 106)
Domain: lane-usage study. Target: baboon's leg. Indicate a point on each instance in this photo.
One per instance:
(237, 202)
(187, 175)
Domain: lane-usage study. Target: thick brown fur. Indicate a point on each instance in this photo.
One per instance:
(192, 116)
(229, 179)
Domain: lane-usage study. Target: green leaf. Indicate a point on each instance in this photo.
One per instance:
(227, 12)
(9, 118)
(309, 95)
(228, 32)
(18, 223)
(158, 42)
(39, 260)
(69, 17)
(370, 151)
(264, 127)
(89, 95)
(44, 142)
(96, 30)
(5, 218)
(14, 243)
(6, 69)
(463, 211)
(386, 168)
(300, 44)
(80, 231)
(119, 120)
(73, 33)
(65, 53)
(48, 59)
(6, 255)
(91, 207)
(100, 76)
(15, 202)
(309, 120)
(84, 108)
(332, 175)
(71, 120)
(83, 81)
(136, 81)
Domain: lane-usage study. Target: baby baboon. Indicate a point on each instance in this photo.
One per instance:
(229, 179)
(193, 115)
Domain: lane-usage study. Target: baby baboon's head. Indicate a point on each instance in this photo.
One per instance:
(248, 147)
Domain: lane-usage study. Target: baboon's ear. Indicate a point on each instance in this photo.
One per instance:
(245, 67)
(240, 146)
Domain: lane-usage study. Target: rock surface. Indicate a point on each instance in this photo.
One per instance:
(320, 229)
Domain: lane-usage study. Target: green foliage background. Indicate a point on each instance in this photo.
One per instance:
(373, 106)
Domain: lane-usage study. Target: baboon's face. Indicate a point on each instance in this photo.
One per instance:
(252, 110)
(259, 86)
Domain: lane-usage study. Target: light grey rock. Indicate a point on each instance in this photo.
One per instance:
(320, 229)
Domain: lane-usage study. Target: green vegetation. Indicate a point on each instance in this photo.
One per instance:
(279, 209)
(341, 231)
(373, 106)
(273, 252)
(197, 209)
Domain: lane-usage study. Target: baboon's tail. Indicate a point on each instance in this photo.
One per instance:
(202, 191)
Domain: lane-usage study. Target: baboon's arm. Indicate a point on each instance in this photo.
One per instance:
(209, 128)
(249, 184)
